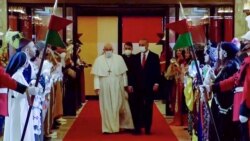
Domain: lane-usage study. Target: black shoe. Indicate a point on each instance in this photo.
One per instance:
(137, 132)
(56, 125)
(46, 138)
(147, 132)
(126, 131)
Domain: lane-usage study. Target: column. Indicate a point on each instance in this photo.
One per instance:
(3, 13)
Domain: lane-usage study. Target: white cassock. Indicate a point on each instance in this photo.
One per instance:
(126, 121)
(111, 78)
(18, 109)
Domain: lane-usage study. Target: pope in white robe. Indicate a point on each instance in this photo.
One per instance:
(110, 81)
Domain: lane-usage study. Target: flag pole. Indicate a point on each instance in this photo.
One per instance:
(33, 97)
(200, 82)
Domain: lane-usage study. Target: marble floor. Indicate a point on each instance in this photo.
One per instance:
(179, 131)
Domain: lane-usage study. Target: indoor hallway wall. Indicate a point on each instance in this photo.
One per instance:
(136, 28)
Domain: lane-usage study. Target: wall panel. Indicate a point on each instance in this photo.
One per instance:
(96, 32)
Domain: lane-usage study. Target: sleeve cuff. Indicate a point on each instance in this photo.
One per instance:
(20, 88)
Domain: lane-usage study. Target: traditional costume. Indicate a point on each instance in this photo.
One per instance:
(222, 103)
(239, 83)
(17, 103)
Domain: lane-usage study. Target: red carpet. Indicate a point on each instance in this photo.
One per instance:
(87, 127)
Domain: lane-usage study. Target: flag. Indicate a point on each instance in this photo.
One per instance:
(185, 39)
(56, 24)
(187, 34)
(198, 34)
(179, 27)
(53, 38)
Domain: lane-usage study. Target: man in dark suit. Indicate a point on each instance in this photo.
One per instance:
(145, 83)
(129, 60)
(128, 57)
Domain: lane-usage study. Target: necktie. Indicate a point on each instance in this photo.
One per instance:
(143, 60)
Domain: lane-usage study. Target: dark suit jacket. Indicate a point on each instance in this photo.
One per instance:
(145, 77)
(129, 61)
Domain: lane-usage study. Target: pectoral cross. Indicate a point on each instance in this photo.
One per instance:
(109, 72)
